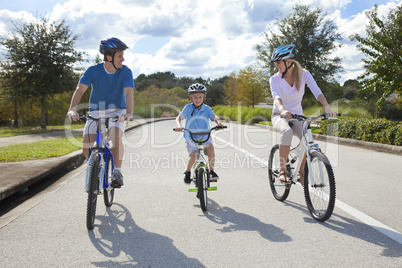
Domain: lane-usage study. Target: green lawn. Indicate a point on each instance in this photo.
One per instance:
(11, 132)
(40, 149)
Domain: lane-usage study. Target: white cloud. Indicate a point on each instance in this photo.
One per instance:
(208, 38)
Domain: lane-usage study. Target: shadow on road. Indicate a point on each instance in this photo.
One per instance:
(117, 236)
(236, 221)
(354, 228)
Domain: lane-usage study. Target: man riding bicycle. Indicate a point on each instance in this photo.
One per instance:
(112, 95)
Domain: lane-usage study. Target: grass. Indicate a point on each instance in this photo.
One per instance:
(40, 149)
(11, 132)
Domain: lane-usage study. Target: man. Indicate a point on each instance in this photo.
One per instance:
(112, 95)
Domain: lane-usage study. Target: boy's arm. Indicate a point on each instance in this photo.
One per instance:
(178, 123)
(217, 121)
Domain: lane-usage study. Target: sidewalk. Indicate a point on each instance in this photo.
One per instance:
(17, 176)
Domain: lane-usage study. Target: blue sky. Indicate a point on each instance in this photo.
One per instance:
(196, 38)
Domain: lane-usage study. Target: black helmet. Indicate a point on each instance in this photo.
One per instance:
(112, 45)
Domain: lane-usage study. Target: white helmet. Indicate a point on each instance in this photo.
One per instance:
(197, 88)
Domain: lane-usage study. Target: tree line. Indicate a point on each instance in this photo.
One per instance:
(38, 77)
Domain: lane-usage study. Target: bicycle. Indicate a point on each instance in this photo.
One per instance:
(99, 169)
(200, 170)
(318, 177)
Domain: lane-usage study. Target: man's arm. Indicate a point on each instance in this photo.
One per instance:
(129, 92)
(75, 100)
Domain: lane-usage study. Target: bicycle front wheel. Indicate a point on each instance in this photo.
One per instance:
(93, 189)
(279, 189)
(319, 190)
(108, 193)
(202, 188)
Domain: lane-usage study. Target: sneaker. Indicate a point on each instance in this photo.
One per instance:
(187, 177)
(213, 175)
(117, 179)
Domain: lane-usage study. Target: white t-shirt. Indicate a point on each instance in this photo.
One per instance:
(291, 97)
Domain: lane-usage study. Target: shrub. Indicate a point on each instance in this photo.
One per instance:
(374, 130)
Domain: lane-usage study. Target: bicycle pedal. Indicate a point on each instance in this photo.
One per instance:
(116, 185)
(213, 180)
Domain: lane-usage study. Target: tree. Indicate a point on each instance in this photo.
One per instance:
(251, 89)
(231, 90)
(315, 40)
(383, 49)
(215, 93)
(40, 60)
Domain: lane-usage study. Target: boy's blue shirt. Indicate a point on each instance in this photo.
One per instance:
(197, 120)
(107, 89)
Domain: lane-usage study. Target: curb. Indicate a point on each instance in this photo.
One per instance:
(45, 168)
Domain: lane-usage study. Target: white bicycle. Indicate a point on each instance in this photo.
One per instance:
(318, 176)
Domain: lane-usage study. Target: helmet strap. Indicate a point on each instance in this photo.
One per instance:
(196, 107)
(286, 68)
(112, 61)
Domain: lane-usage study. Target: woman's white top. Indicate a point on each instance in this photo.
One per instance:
(291, 97)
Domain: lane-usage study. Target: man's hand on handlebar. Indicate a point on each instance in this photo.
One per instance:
(73, 116)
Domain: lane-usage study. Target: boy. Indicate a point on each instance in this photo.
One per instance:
(197, 115)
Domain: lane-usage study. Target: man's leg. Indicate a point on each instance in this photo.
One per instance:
(87, 141)
(115, 136)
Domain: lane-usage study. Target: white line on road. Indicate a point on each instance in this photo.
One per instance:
(388, 231)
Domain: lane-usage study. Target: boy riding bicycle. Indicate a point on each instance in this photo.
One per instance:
(197, 115)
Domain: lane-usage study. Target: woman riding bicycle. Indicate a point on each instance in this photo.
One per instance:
(288, 87)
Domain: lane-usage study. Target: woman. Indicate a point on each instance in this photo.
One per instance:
(288, 87)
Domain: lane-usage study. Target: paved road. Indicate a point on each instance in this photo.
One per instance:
(157, 223)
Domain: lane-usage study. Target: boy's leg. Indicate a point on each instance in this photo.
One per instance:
(190, 163)
(210, 151)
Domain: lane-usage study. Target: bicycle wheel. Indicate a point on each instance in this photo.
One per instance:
(279, 189)
(319, 191)
(93, 188)
(108, 193)
(202, 188)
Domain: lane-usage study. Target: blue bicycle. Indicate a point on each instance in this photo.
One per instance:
(99, 169)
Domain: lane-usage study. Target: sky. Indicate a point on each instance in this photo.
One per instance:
(193, 38)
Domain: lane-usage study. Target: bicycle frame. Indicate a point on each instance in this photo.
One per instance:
(305, 146)
(101, 146)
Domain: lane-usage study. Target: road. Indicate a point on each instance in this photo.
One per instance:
(156, 222)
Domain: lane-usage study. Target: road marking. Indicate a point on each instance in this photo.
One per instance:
(366, 219)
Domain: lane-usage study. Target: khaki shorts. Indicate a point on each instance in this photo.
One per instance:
(192, 146)
(286, 132)
(90, 126)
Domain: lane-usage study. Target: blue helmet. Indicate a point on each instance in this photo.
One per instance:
(112, 45)
(283, 53)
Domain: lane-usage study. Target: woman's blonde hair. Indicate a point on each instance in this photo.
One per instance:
(297, 72)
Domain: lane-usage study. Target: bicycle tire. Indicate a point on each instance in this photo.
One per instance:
(93, 189)
(320, 194)
(108, 193)
(279, 189)
(202, 188)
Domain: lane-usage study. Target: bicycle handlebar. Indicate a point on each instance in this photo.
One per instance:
(114, 118)
(203, 133)
(323, 116)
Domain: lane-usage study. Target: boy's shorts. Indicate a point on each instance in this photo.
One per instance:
(90, 126)
(192, 146)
